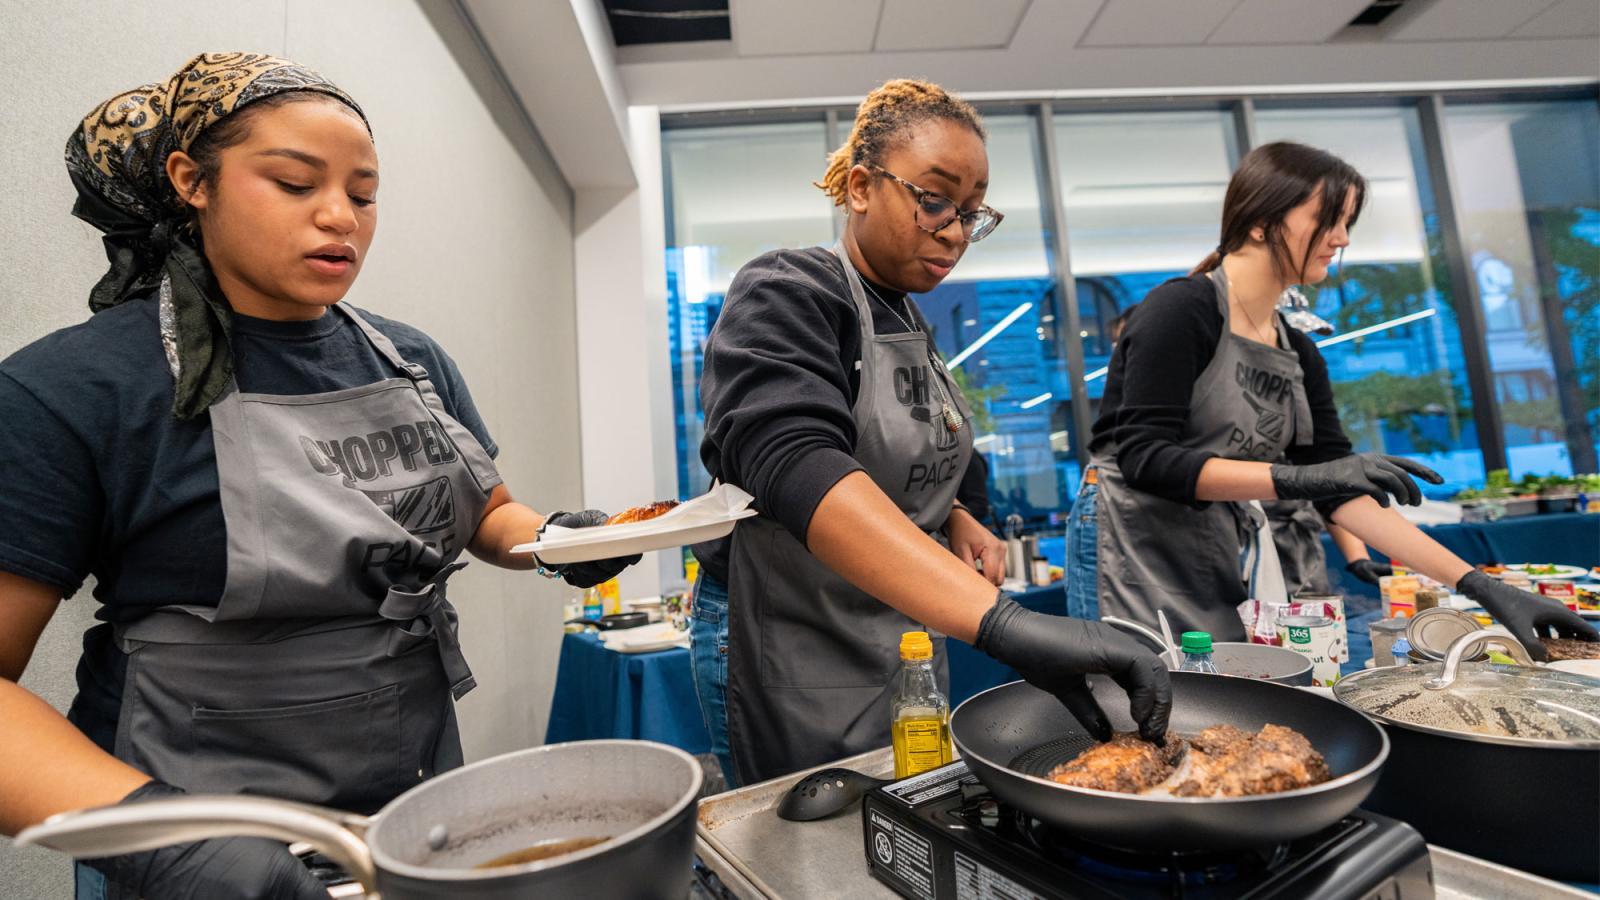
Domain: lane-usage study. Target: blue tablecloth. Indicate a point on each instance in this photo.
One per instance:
(650, 696)
(644, 696)
(1568, 539)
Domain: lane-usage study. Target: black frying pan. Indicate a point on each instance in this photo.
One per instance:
(1013, 735)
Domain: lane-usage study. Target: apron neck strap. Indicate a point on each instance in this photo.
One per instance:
(385, 346)
(852, 280)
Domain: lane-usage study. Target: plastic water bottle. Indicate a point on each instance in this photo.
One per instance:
(1197, 653)
(1401, 652)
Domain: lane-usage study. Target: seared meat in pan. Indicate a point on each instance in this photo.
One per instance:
(1124, 764)
(1220, 761)
(1567, 648)
(1277, 759)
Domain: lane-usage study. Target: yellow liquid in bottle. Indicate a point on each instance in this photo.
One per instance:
(921, 741)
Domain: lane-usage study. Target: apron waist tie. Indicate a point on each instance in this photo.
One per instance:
(426, 614)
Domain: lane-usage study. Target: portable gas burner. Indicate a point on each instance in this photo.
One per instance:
(942, 836)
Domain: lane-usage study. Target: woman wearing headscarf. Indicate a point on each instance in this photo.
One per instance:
(270, 487)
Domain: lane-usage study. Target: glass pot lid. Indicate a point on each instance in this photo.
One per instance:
(1504, 704)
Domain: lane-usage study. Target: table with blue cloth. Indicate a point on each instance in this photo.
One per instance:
(650, 696)
(601, 693)
(1569, 539)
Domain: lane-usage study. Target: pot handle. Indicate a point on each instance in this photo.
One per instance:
(1470, 643)
(1145, 632)
(114, 830)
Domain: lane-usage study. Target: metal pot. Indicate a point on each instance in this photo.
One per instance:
(1258, 661)
(425, 843)
(1501, 762)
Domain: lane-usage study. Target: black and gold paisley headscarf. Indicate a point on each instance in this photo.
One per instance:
(117, 160)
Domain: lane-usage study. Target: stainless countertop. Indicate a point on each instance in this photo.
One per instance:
(758, 855)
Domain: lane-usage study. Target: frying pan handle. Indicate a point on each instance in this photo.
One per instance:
(114, 830)
(1145, 632)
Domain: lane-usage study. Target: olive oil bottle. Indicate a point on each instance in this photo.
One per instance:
(920, 724)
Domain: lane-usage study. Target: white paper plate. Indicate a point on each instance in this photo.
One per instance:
(645, 638)
(1563, 573)
(705, 518)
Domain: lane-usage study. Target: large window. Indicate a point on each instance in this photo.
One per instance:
(1395, 358)
(1141, 194)
(992, 320)
(733, 193)
(1528, 179)
(1140, 198)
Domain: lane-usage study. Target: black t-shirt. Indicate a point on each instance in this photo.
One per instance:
(780, 378)
(100, 479)
(1163, 349)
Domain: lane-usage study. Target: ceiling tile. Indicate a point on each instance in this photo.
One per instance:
(1566, 19)
(948, 24)
(1459, 20)
(789, 28)
(1149, 23)
(1286, 21)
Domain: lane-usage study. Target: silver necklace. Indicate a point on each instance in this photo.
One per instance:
(953, 420)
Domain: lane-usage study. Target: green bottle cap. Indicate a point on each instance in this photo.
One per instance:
(1197, 642)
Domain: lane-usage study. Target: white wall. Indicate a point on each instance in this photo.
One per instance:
(475, 247)
(623, 381)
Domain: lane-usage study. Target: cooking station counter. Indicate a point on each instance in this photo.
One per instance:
(755, 854)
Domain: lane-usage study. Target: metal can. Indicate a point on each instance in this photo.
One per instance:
(1561, 591)
(1316, 638)
(1333, 604)
(1432, 631)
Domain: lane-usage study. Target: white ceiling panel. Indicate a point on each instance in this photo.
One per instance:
(948, 24)
(1286, 21)
(789, 28)
(1566, 19)
(1152, 23)
(1460, 20)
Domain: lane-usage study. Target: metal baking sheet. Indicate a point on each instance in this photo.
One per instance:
(1457, 876)
(758, 855)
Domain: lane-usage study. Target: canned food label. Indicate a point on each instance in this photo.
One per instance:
(1299, 635)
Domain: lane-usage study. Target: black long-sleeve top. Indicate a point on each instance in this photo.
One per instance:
(781, 375)
(1166, 345)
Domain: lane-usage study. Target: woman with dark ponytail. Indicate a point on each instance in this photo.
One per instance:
(1213, 404)
(825, 398)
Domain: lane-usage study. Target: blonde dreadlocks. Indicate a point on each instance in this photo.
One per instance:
(883, 118)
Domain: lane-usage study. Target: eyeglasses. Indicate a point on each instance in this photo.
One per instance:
(935, 212)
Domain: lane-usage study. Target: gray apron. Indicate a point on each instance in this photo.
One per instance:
(326, 672)
(1297, 533)
(1249, 403)
(812, 658)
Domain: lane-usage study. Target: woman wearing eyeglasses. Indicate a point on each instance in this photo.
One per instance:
(825, 398)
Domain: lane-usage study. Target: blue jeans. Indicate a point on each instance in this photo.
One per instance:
(88, 884)
(708, 633)
(1083, 598)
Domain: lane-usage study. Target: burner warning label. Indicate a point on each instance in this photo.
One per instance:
(976, 881)
(919, 789)
(903, 855)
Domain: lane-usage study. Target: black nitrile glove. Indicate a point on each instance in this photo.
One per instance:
(1372, 474)
(234, 868)
(1369, 570)
(1053, 653)
(595, 571)
(1525, 614)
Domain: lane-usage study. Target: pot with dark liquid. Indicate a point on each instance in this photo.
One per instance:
(589, 818)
